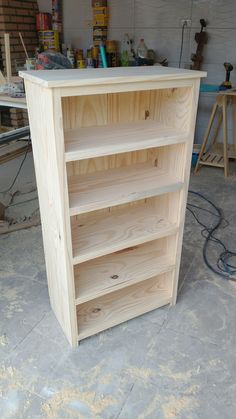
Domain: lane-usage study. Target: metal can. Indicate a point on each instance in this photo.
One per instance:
(81, 64)
(43, 21)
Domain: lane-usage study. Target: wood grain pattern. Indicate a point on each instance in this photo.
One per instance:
(121, 269)
(171, 107)
(48, 151)
(140, 240)
(106, 76)
(177, 248)
(118, 186)
(85, 143)
(98, 235)
(113, 309)
(84, 111)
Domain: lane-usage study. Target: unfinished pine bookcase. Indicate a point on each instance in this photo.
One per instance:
(112, 151)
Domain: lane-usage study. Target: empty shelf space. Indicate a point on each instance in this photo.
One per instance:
(99, 235)
(118, 186)
(122, 305)
(89, 142)
(121, 269)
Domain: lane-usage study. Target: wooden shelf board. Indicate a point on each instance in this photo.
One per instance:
(99, 236)
(122, 305)
(90, 142)
(119, 270)
(118, 186)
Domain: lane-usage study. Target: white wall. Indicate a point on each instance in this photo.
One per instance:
(45, 6)
(158, 22)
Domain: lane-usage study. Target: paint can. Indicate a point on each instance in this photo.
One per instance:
(43, 21)
(81, 64)
(49, 40)
(112, 54)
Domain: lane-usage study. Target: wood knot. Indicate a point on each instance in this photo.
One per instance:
(96, 310)
(114, 276)
(147, 114)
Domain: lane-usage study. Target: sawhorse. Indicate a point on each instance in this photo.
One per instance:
(218, 154)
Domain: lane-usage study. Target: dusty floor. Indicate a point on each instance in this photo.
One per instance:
(171, 363)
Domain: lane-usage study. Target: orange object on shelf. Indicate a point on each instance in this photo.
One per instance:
(43, 21)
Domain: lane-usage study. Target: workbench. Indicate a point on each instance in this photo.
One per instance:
(112, 151)
(13, 102)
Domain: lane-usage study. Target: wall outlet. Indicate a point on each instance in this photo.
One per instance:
(187, 21)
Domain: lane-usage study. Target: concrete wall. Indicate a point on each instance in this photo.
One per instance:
(158, 22)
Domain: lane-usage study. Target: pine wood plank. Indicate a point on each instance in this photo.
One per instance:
(113, 309)
(99, 236)
(121, 269)
(118, 186)
(103, 76)
(48, 151)
(89, 142)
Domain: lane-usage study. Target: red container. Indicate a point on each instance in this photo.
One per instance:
(43, 21)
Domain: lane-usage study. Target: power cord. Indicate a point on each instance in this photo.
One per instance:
(224, 268)
(182, 43)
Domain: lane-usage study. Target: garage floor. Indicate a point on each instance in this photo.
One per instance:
(173, 362)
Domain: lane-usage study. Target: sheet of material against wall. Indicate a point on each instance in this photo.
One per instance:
(112, 160)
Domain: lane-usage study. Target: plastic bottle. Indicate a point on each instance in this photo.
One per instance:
(71, 56)
(142, 49)
(127, 56)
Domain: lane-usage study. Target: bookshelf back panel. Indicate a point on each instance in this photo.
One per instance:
(169, 106)
(112, 309)
(166, 206)
(168, 158)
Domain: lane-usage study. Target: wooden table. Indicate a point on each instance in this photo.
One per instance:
(13, 102)
(16, 148)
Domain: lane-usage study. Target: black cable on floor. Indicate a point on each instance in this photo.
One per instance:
(223, 268)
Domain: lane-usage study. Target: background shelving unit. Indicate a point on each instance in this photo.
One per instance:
(112, 151)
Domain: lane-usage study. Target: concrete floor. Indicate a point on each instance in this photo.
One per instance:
(171, 363)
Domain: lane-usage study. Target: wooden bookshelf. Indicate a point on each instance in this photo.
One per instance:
(112, 151)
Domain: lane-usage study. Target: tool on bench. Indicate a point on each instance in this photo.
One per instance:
(201, 38)
(227, 83)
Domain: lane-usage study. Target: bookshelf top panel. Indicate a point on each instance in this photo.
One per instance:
(91, 77)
